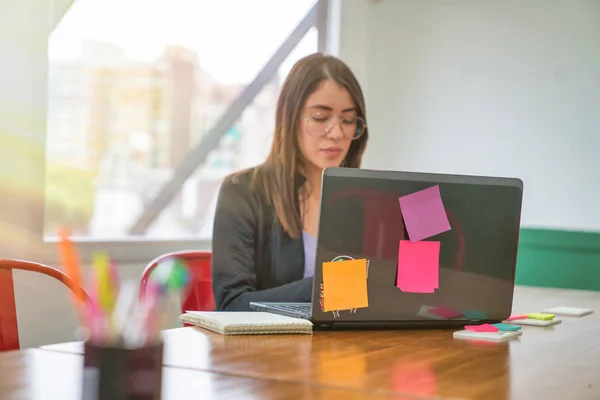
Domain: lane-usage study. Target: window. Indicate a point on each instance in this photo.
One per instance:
(152, 104)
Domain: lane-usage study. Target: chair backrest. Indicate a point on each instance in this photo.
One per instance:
(9, 331)
(199, 296)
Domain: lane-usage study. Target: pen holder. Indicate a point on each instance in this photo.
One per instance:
(118, 373)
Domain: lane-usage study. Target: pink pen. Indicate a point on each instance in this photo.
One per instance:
(114, 276)
(140, 326)
(152, 307)
(94, 318)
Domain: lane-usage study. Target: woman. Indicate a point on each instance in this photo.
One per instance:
(266, 220)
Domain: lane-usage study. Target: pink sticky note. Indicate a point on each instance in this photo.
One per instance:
(424, 214)
(481, 328)
(445, 312)
(418, 266)
(515, 316)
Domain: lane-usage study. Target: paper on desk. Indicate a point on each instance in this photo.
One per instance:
(418, 266)
(345, 285)
(568, 311)
(500, 336)
(424, 214)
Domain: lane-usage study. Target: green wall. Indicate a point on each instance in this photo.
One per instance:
(562, 259)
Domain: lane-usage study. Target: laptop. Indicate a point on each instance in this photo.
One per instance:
(362, 217)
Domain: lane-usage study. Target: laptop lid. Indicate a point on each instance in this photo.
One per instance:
(361, 218)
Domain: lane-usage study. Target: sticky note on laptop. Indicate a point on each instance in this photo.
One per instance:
(345, 285)
(418, 266)
(425, 312)
(438, 313)
(446, 312)
(424, 214)
(474, 315)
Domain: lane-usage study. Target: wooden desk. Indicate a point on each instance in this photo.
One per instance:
(45, 375)
(559, 362)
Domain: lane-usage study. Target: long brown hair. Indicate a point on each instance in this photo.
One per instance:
(281, 176)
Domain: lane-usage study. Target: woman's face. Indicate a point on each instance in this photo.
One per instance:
(327, 126)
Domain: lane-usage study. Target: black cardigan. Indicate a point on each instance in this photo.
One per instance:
(253, 259)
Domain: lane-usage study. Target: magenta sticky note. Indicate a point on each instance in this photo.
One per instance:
(418, 266)
(424, 214)
(481, 328)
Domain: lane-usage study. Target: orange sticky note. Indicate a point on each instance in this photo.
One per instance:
(345, 285)
(418, 266)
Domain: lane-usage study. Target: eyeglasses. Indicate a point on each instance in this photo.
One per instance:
(320, 125)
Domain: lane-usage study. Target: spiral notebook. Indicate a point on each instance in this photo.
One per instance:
(246, 322)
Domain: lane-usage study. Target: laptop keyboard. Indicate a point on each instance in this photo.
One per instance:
(295, 308)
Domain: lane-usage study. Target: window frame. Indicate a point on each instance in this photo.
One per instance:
(28, 241)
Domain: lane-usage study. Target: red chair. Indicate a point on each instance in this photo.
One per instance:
(9, 332)
(199, 296)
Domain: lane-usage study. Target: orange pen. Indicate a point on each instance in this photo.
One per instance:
(72, 268)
